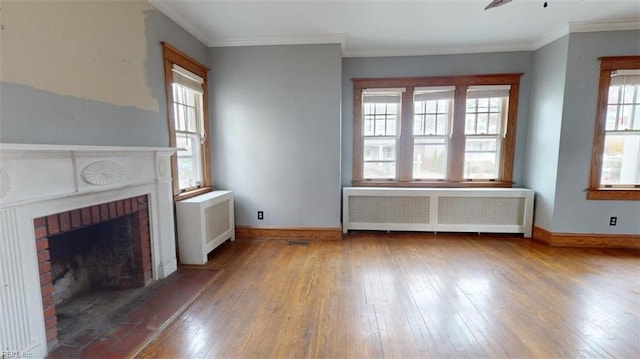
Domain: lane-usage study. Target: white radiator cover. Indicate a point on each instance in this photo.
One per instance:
(204, 222)
(489, 210)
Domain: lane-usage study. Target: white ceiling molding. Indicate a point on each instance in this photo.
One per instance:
(185, 24)
(284, 40)
(551, 37)
(440, 51)
(630, 24)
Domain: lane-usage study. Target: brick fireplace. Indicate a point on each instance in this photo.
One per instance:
(133, 210)
(47, 191)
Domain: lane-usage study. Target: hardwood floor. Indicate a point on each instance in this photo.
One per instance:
(411, 296)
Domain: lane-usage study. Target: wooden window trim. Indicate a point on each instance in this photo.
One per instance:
(456, 157)
(172, 55)
(595, 191)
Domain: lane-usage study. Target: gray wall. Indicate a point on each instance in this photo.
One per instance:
(275, 123)
(32, 114)
(573, 213)
(442, 65)
(543, 131)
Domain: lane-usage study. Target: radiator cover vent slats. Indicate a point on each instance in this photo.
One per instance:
(487, 210)
(481, 210)
(217, 220)
(370, 209)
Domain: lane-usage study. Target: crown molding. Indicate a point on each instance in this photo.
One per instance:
(551, 37)
(182, 22)
(627, 24)
(439, 51)
(575, 27)
(283, 40)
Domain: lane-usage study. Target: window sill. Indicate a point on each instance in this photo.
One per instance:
(434, 184)
(193, 193)
(614, 194)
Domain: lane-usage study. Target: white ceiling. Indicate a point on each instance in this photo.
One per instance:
(398, 27)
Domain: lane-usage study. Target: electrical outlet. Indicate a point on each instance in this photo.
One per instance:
(613, 221)
(260, 215)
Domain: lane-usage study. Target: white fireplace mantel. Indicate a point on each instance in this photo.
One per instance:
(39, 180)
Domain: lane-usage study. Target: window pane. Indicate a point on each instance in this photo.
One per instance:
(483, 105)
(621, 160)
(495, 104)
(430, 125)
(368, 126)
(612, 115)
(432, 106)
(429, 158)
(191, 119)
(418, 125)
(481, 158)
(177, 116)
(483, 120)
(625, 117)
(471, 105)
(494, 124)
(379, 170)
(376, 149)
(470, 124)
(441, 128)
(189, 161)
(614, 93)
(628, 94)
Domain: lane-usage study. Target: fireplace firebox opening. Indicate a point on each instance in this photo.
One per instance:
(91, 249)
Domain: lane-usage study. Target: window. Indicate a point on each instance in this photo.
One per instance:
(615, 165)
(186, 84)
(432, 114)
(454, 131)
(381, 111)
(484, 120)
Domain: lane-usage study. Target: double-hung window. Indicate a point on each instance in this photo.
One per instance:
(189, 127)
(381, 110)
(186, 82)
(485, 119)
(432, 115)
(454, 131)
(615, 165)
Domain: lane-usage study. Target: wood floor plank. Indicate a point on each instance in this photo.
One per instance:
(399, 295)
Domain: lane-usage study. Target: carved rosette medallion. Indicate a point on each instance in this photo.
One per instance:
(102, 173)
(5, 183)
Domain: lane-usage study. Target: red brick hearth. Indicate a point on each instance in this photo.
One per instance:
(45, 227)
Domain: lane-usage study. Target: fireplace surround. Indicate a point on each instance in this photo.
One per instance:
(47, 186)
